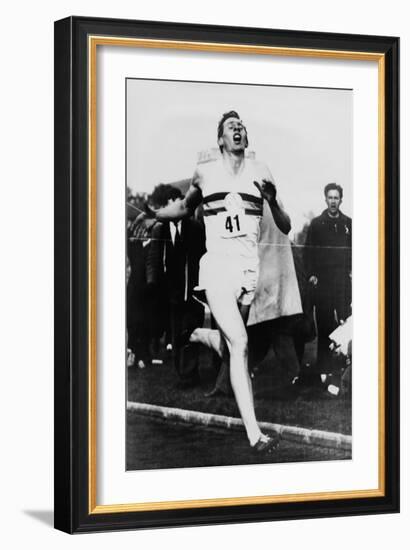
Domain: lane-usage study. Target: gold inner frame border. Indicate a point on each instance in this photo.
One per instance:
(95, 41)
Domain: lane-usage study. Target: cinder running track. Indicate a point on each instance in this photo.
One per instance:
(155, 443)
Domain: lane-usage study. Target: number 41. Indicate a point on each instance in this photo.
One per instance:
(229, 226)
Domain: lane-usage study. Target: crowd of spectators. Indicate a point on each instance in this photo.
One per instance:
(162, 310)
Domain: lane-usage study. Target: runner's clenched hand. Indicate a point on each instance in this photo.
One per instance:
(267, 189)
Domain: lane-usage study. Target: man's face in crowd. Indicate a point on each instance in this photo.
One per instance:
(175, 199)
(234, 137)
(333, 201)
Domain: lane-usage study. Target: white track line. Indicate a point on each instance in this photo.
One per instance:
(296, 434)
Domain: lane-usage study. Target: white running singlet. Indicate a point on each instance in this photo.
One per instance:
(232, 207)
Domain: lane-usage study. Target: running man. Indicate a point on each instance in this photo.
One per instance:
(232, 190)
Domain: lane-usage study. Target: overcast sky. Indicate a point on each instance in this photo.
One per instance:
(304, 135)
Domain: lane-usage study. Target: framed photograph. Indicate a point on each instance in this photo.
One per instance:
(226, 274)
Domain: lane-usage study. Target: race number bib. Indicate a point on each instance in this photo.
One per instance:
(233, 221)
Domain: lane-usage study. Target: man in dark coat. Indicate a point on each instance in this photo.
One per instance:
(141, 322)
(328, 257)
(173, 264)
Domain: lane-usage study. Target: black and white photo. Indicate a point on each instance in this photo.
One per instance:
(239, 274)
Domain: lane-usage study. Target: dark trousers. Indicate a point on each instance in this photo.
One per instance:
(332, 304)
(138, 325)
(146, 313)
(278, 333)
(184, 318)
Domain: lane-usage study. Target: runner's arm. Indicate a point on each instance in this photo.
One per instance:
(183, 208)
(267, 189)
(282, 220)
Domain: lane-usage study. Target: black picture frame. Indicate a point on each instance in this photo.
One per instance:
(73, 513)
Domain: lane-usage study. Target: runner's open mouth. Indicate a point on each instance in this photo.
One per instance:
(237, 138)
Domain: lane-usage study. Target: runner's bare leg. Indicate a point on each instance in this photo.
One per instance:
(224, 308)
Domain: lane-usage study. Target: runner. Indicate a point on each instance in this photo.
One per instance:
(232, 190)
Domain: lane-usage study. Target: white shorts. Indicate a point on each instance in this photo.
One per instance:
(225, 273)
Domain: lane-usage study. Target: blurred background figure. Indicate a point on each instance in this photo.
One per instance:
(328, 258)
(130, 353)
(172, 273)
(144, 316)
(341, 348)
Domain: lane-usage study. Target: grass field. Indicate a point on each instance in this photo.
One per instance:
(157, 384)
